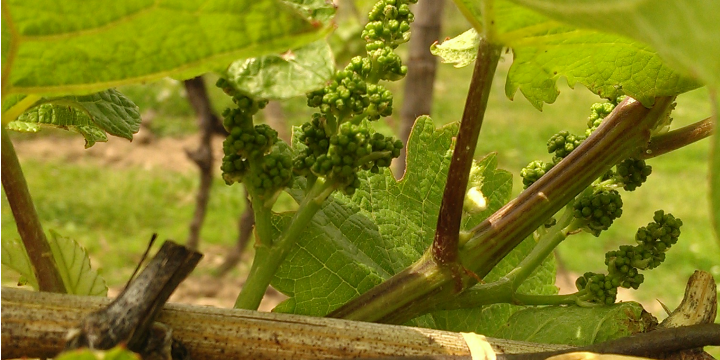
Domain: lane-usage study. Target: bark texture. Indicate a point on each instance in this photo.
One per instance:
(202, 156)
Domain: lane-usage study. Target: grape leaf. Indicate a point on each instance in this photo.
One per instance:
(283, 76)
(320, 10)
(607, 64)
(54, 48)
(353, 244)
(684, 33)
(74, 266)
(90, 115)
(576, 326)
(16, 258)
(71, 259)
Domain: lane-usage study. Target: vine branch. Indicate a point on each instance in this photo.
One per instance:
(34, 325)
(676, 139)
(445, 244)
(417, 289)
(27, 221)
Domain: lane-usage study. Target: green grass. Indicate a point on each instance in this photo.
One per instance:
(114, 212)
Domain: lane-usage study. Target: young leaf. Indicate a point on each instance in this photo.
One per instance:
(576, 326)
(15, 257)
(353, 244)
(74, 266)
(460, 51)
(51, 48)
(283, 76)
(61, 117)
(90, 115)
(607, 64)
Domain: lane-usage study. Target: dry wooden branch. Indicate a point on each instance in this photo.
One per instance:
(35, 324)
(129, 318)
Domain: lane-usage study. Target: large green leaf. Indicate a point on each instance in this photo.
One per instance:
(286, 75)
(685, 33)
(545, 50)
(353, 244)
(90, 115)
(318, 10)
(82, 46)
(577, 326)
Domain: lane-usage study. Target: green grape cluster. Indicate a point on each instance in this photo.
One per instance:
(562, 144)
(244, 139)
(389, 23)
(632, 173)
(659, 235)
(349, 95)
(339, 141)
(250, 154)
(598, 288)
(273, 173)
(598, 113)
(654, 240)
(531, 173)
(598, 210)
(339, 157)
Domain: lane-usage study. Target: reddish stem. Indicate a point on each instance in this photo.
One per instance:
(445, 244)
(27, 221)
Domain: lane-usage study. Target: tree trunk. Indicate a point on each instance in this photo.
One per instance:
(202, 156)
(422, 67)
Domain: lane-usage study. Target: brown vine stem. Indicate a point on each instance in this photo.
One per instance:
(624, 133)
(676, 139)
(27, 221)
(417, 289)
(445, 244)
